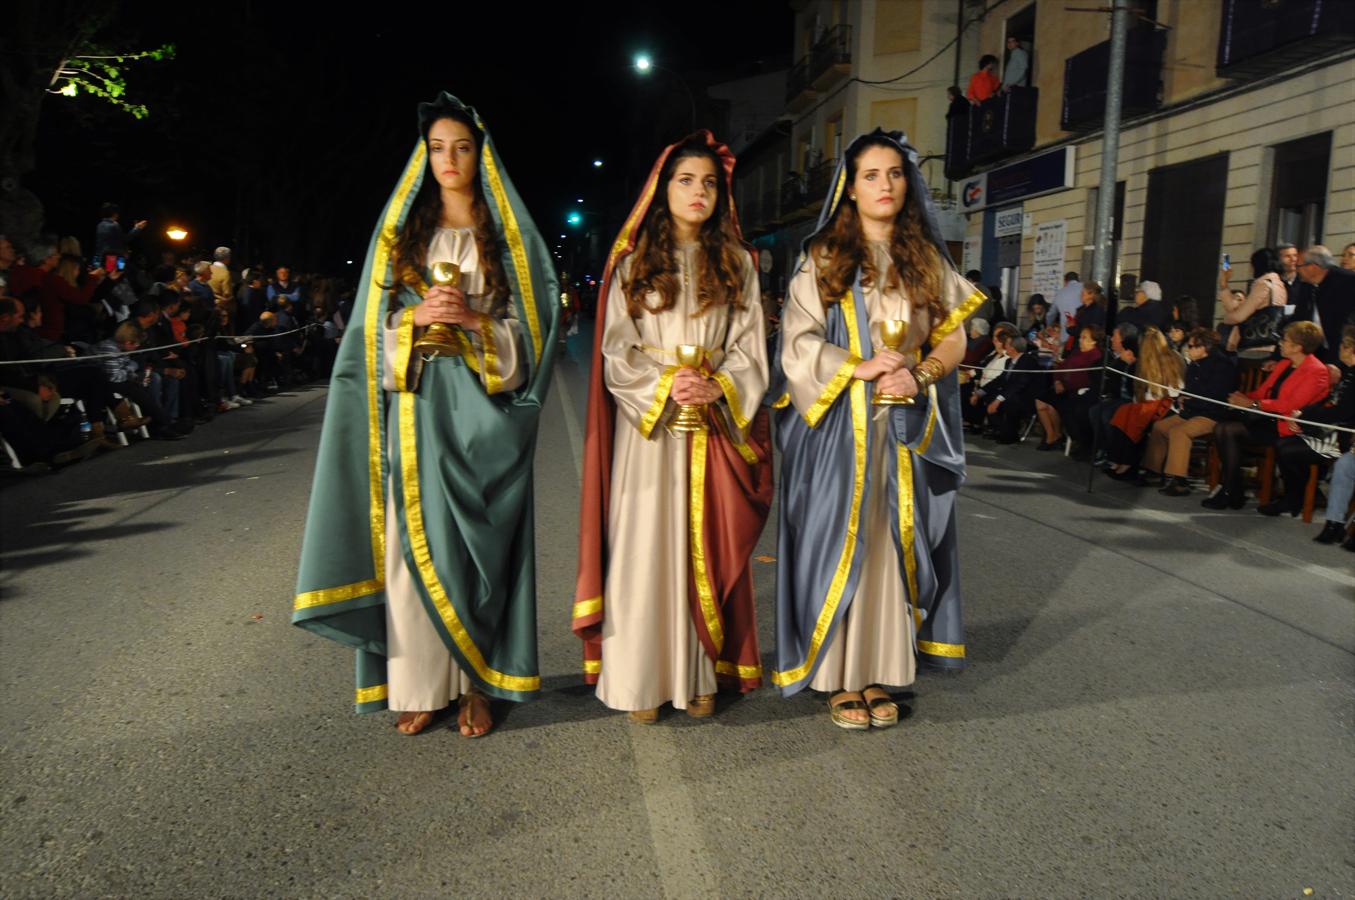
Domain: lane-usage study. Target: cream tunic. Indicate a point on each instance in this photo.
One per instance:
(650, 651)
(420, 669)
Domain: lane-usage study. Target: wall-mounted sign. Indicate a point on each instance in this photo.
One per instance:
(1047, 173)
(1008, 222)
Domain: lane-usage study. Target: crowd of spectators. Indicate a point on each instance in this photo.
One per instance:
(107, 344)
(1163, 393)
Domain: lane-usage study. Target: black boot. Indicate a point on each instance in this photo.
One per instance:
(1331, 533)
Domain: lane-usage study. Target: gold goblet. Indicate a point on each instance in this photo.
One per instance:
(689, 417)
(440, 339)
(892, 334)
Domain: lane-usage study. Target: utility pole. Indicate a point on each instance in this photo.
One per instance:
(1110, 146)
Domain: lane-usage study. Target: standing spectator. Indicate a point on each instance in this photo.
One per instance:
(1148, 310)
(220, 281)
(1331, 298)
(958, 106)
(984, 83)
(254, 299)
(200, 287)
(55, 293)
(1347, 257)
(1065, 303)
(1092, 311)
(283, 286)
(109, 237)
(1017, 72)
(1256, 317)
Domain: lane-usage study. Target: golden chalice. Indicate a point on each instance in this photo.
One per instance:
(440, 339)
(689, 417)
(892, 334)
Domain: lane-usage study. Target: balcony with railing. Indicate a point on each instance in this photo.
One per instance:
(799, 92)
(1001, 126)
(1262, 37)
(1084, 79)
(831, 59)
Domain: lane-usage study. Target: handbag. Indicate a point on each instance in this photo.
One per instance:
(1262, 329)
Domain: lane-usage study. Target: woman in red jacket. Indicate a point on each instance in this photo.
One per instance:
(1296, 381)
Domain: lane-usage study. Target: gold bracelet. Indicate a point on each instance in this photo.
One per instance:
(928, 372)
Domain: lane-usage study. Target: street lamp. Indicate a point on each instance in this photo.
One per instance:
(597, 164)
(644, 63)
(175, 233)
(574, 219)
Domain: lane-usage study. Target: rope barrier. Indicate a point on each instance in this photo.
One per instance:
(239, 338)
(1177, 392)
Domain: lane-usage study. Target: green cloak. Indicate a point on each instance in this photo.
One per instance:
(461, 469)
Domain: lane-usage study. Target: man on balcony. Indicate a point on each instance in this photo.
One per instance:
(984, 83)
(1018, 66)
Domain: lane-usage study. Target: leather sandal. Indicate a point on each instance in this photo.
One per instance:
(467, 704)
(702, 706)
(644, 716)
(884, 712)
(417, 722)
(836, 710)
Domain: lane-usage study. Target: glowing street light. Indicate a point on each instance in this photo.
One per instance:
(175, 233)
(574, 219)
(597, 164)
(643, 63)
(578, 199)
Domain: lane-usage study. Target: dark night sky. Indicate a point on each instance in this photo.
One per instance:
(284, 129)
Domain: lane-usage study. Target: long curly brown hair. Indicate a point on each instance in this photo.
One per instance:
(1157, 362)
(409, 247)
(840, 251)
(720, 260)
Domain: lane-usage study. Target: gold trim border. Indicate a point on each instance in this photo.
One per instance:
(696, 512)
(957, 316)
(493, 380)
(732, 399)
(338, 594)
(372, 694)
(935, 648)
(844, 564)
(651, 418)
(423, 562)
(726, 667)
(587, 607)
(513, 235)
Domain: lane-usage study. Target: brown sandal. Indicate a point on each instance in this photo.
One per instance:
(416, 721)
(836, 710)
(645, 716)
(702, 706)
(466, 718)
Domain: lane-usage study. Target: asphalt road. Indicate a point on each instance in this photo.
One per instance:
(1158, 704)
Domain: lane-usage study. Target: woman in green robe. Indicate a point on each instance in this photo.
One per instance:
(419, 546)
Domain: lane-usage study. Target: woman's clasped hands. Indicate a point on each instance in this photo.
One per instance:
(887, 368)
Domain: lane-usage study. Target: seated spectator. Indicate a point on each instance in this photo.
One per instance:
(1210, 373)
(984, 83)
(1254, 318)
(1317, 446)
(1348, 258)
(979, 346)
(1117, 388)
(1148, 310)
(266, 350)
(988, 310)
(1014, 391)
(1176, 339)
(1071, 393)
(131, 377)
(1297, 380)
(974, 396)
(1186, 311)
(1163, 375)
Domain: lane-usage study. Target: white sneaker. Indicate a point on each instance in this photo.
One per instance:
(230, 404)
(242, 401)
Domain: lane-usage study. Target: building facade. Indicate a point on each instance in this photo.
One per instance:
(1238, 133)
